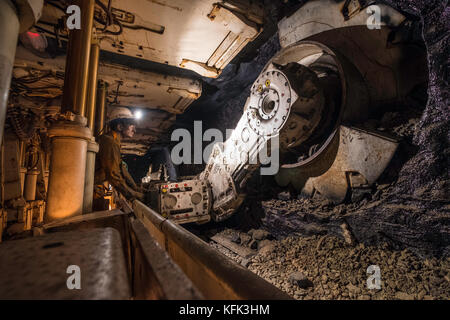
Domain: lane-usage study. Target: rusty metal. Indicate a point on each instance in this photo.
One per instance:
(216, 276)
(77, 66)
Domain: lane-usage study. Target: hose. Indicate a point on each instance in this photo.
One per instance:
(23, 131)
(110, 18)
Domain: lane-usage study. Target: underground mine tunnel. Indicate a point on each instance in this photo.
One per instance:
(224, 150)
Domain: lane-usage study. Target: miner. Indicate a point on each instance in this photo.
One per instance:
(109, 167)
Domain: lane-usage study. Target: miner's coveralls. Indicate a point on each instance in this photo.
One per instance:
(110, 169)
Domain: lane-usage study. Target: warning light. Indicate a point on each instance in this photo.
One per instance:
(34, 41)
(32, 34)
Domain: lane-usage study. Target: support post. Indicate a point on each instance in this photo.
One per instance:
(92, 145)
(9, 33)
(101, 108)
(70, 137)
(77, 66)
(92, 84)
(29, 192)
(92, 150)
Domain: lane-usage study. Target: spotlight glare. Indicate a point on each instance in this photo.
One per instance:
(138, 114)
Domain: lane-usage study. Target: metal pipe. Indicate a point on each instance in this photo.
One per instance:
(89, 176)
(9, 33)
(92, 83)
(30, 185)
(92, 148)
(23, 173)
(77, 68)
(101, 107)
(69, 141)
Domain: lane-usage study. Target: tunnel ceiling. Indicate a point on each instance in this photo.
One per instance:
(154, 55)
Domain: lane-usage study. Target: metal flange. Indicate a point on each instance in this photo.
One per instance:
(270, 102)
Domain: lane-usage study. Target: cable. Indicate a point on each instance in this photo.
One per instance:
(23, 132)
(110, 18)
(116, 101)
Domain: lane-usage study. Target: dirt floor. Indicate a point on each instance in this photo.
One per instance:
(326, 267)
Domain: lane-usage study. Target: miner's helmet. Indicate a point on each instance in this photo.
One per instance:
(120, 115)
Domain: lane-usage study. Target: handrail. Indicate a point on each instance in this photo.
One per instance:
(214, 274)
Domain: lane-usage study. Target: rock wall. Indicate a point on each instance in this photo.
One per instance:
(416, 213)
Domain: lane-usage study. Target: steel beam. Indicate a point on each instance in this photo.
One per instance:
(101, 108)
(92, 84)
